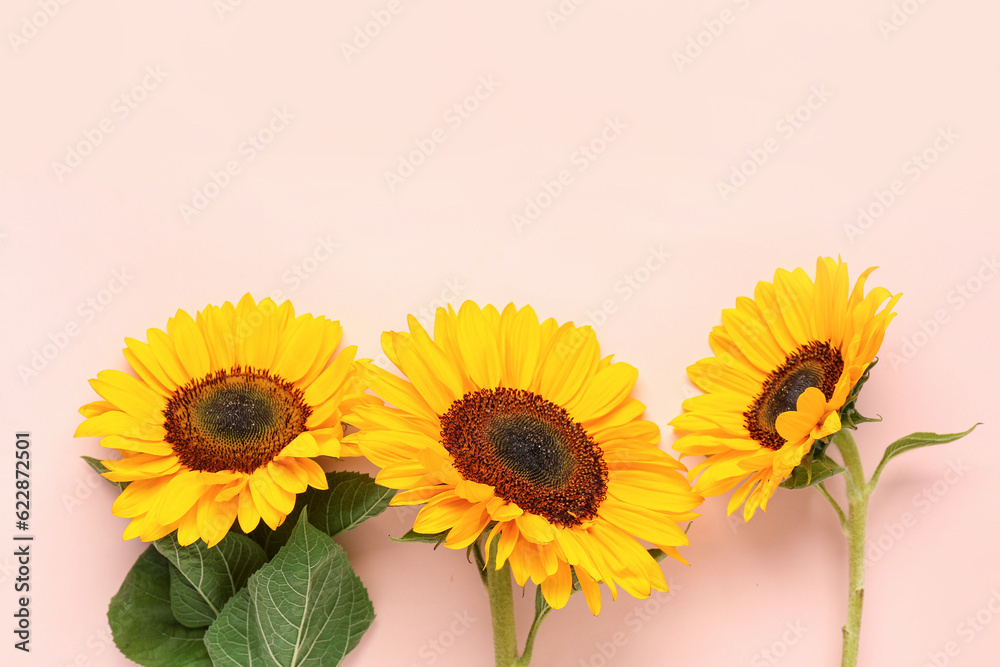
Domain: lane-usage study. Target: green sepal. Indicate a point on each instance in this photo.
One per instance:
(142, 623)
(542, 606)
(437, 539)
(101, 469)
(915, 441)
(849, 415)
(811, 472)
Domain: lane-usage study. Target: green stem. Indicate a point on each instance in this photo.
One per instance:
(858, 492)
(498, 585)
(836, 506)
(529, 644)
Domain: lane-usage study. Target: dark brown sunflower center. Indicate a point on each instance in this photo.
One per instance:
(234, 420)
(813, 365)
(529, 450)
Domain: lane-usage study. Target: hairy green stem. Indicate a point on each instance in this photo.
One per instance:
(529, 644)
(498, 585)
(858, 492)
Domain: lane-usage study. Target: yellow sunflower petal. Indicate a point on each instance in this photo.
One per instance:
(479, 346)
(164, 351)
(190, 345)
(130, 395)
(520, 341)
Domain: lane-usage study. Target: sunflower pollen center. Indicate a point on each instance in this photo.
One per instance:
(529, 450)
(234, 420)
(532, 449)
(814, 365)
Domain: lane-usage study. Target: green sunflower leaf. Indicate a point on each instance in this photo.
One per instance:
(812, 472)
(915, 441)
(427, 538)
(350, 499)
(142, 623)
(305, 607)
(101, 468)
(202, 579)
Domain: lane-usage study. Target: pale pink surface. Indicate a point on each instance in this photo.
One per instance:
(447, 230)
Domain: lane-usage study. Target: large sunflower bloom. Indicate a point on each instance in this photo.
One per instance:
(784, 366)
(224, 420)
(522, 426)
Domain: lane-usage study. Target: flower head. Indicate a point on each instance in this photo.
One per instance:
(523, 430)
(784, 366)
(227, 413)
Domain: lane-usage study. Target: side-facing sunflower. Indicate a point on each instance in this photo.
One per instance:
(784, 366)
(224, 420)
(522, 428)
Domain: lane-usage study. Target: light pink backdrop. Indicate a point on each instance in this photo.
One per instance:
(889, 83)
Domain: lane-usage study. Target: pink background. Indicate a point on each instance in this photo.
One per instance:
(882, 96)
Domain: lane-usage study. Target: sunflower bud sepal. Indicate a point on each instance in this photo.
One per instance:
(812, 471)
(849, 415)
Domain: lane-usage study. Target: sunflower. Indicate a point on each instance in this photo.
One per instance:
(784, 366)
(224, 420)
(523, 429)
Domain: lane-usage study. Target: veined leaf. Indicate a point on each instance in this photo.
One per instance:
(143, 626)
(306, 607)
(202, 579)
(915, 441)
